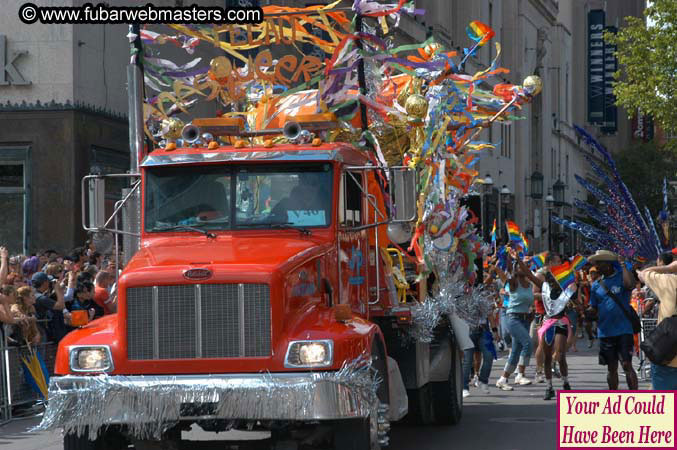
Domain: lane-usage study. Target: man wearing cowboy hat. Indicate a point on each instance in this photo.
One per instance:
(614, 329)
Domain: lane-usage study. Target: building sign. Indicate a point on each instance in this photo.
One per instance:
(610, 124)
(642, 127)
(596, 66)
(9, 74)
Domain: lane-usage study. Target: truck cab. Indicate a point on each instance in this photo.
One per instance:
(261, 297)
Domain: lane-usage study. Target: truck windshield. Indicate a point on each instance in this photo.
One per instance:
(238, 197)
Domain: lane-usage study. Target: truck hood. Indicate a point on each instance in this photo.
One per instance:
(286, 248)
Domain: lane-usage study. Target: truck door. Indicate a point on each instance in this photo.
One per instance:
(352, 243)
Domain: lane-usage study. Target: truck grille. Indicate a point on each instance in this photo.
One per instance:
(198, 321)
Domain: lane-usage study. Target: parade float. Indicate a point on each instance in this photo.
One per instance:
(304, 265)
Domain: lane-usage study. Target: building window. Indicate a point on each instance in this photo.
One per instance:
(491, 25)
(14, 182)
(566, 96)
(506, 141)
(552, 163)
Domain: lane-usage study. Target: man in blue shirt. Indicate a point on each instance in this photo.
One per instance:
(613, 327)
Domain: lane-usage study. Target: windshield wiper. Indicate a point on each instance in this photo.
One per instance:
(281, 225)
(184, 227)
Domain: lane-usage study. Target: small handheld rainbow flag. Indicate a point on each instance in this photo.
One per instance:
(578, 261)
(502, 258)
(479, 32)
(513, 231)
(539, 260)
(493, 235)
(525, 243)
(564, 274)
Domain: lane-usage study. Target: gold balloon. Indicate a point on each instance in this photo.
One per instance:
(533, 85)
(416, 106)
(173, 127)
(220, 67)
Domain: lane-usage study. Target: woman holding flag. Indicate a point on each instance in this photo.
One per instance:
(556, 292)
(519, 284)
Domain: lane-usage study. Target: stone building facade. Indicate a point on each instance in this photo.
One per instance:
(66, 118)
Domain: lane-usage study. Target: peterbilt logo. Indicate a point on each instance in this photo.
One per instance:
(197, 274)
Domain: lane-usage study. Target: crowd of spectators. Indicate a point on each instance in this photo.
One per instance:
(45, 295)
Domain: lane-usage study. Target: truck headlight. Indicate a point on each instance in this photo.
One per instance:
(309, 354)
(91, 359)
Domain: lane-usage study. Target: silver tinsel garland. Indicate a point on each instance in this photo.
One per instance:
(148, 408)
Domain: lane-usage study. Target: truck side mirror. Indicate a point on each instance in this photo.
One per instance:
(403, 194)
(97, 202)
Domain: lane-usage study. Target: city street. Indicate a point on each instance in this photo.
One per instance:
(517, 420)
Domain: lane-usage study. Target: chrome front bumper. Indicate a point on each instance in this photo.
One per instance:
(148, 405)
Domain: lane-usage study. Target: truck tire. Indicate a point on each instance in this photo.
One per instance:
(447, 398)
(109, 439)
(362, 434)
(352, 434)
(420, 406)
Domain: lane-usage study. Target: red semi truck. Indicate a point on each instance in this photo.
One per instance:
(261, 297)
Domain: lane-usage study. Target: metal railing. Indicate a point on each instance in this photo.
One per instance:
(14, 389)
(644, 369)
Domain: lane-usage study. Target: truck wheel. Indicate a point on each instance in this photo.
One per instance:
(448, 395)
(363, 434)
(420, 406)
(109, 439)
(352, 434)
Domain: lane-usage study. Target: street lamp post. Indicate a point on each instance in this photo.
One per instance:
(549, 203)
(487, 184)
(504, 193)
(537, 185)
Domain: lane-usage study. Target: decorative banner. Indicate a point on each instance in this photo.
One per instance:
(625, 230)
(610, 124)
(423, 112)
(596, 66)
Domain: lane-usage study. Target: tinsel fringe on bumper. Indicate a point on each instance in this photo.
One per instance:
(149, 409)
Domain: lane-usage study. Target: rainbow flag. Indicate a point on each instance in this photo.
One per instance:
(578, 261)
(564, 274)
(539, 260)
(525, 243)
(514, 232)
(479, 32)
(493, 234)
(502, 258)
